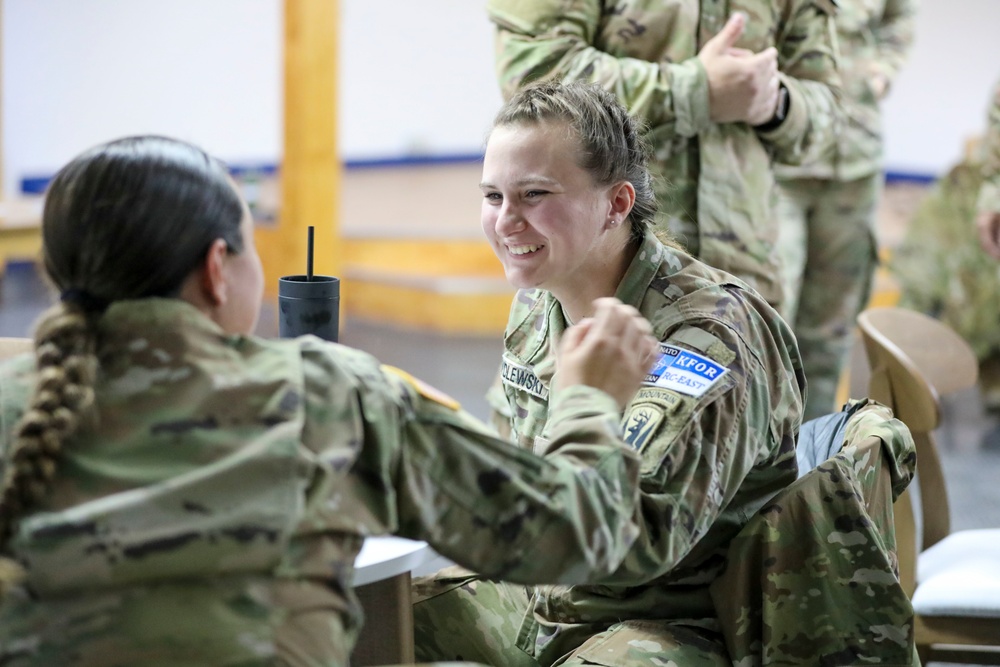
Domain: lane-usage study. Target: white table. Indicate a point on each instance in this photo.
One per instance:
(382, 580)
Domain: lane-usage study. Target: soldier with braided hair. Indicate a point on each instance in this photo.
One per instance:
(176, 491)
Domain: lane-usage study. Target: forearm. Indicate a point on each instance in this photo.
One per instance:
(807, 61)
(505, 513)
(895, 35)
(672, 95)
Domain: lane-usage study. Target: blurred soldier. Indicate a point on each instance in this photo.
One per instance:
(720, 98)
(828, 207)
(947, 263)
(988, 218)
(177, 491)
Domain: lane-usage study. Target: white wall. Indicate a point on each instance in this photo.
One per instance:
(417, 78)
(79, 72)
(941, 97)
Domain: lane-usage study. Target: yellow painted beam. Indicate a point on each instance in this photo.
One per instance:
(310, 166)
(423, 257)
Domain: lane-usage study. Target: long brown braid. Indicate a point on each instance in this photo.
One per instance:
(63, 399)
(125, 220)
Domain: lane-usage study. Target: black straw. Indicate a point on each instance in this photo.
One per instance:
(309, 255)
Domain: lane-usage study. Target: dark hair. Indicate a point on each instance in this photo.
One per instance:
(611, 141)
(128, 219)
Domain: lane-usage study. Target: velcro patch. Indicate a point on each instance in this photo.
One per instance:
(684, 371)
(522, 377)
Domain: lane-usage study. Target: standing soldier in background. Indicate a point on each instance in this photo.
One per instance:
(720, 99)
(988, 218)
(828, 207)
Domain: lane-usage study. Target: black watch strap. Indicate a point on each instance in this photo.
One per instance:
(780, 113)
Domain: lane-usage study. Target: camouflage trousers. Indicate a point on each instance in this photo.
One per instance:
(829, 255)
(458, 616)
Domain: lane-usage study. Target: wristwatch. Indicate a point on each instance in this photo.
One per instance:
(780, 112)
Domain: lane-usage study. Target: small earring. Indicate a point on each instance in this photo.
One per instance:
(613, 222)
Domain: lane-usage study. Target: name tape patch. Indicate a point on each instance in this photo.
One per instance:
(684, 371)
(522, 377)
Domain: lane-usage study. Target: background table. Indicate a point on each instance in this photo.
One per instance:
(382, 583)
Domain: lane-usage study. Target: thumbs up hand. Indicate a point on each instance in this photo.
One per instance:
(742, 85)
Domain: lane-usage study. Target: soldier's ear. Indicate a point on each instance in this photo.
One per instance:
(621, 199)
(214, 287)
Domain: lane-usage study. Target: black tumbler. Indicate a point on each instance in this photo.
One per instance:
(309, 306)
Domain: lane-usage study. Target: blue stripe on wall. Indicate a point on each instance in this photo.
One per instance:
(35, 185)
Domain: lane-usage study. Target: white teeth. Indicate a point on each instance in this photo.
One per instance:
(523, 249)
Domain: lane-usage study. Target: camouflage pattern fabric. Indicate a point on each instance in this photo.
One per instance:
(714, 181)
(829, 252)
(989, 194)
(813, 577)
(875, 38)
(828, 206)
(942, 269)
(213, 515)
(715, 426)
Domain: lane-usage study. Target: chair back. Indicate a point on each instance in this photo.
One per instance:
(914, 360)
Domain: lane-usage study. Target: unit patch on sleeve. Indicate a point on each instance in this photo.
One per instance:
(522, 377)
(684, 371)
(641, 422)
(649, 408)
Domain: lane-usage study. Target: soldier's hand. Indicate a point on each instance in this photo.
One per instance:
(988, 226)
(612, 350)
(742, 85)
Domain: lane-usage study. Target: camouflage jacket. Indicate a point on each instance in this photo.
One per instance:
(989, 193)
(875, 37)
(788, 596)
(212, 515)
(713, 180)
(715, 425)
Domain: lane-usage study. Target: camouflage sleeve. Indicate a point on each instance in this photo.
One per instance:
(428, 470)
(807, 60)
(701, 449)
(496, 508)
(895, 34)
(499, 409)
(539, 39)
(989, 193)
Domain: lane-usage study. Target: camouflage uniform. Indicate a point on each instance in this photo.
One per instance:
(814, 577)
(828, 207)
(941, 267)
(213, 514)
(715, 426)
(989, 193)
(714, 181)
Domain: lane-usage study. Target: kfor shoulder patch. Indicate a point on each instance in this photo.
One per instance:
(522, 377)
(424, 389)
(684, 371)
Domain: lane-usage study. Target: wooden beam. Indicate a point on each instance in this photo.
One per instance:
(310, 166)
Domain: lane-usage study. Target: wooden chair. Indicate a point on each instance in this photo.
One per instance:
(953, 578)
